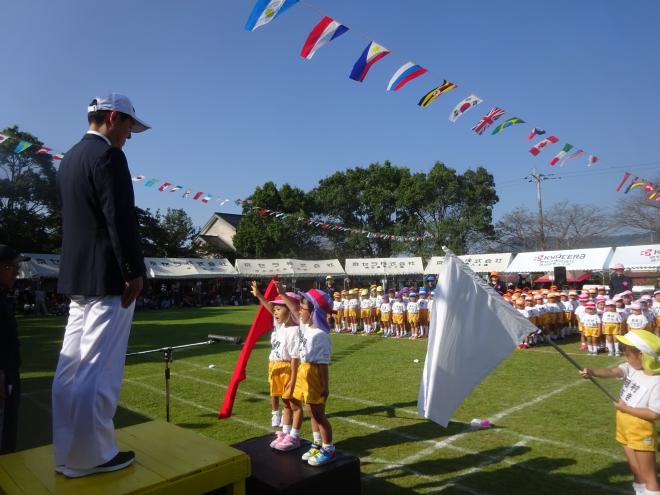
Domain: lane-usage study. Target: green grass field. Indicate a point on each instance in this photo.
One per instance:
(553, 434)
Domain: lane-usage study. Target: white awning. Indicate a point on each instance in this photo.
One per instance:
(384, 266)
(572, 259)
(480, 263)
(288, 268)
(189, 268)
(40, 266)
(638, 258)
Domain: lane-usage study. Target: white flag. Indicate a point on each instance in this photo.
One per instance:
(473, 329)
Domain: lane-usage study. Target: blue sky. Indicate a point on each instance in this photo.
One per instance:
(232, 109)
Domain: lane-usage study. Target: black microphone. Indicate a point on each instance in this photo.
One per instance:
(231, 339)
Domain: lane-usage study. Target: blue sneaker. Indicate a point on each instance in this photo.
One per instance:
(313, 450)
(322, 457)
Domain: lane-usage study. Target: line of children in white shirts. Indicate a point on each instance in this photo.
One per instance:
(394, 314)
(597, 318)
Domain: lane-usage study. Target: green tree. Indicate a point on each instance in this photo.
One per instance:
(454, 210)
(364, 199)
(29, 211)
(260, 235)
(167, 235)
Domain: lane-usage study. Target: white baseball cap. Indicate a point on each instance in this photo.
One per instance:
(118, 103)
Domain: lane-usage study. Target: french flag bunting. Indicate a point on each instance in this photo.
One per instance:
(265, 11)
(406, 73)
(371, 54)
(322, 34)
(538, 147)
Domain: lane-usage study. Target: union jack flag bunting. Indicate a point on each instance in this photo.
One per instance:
(487, 120)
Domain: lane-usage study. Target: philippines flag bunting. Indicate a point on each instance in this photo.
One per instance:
(22, 146)
(322, 34)
(487, 120)
(371, 54)
(538, 147)
(560, 156)
(464, 106)
(164, 186)
(535, 132)
(433, 95)
(3, 138)
(507, 123)
(265, 11)
(43, 150)
(592, 159)
(406, 73)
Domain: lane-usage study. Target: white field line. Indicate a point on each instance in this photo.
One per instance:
(540, 398)
(261, 427)
(483, 464)
(446, 443)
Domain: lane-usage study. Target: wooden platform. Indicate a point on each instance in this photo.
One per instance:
(169, 460)
(284, 473)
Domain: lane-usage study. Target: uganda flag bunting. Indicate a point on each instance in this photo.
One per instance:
(433, 95)
(406, 73)
(265, 11)
(322, 34)
(538, 147)
(560, 156)
(507, 123)
(371, 54)
(464, 106)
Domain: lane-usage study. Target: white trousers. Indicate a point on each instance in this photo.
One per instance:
(88, 379)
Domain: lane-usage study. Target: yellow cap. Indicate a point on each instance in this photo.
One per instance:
(364, 292)
(648, 344)
(351, 292)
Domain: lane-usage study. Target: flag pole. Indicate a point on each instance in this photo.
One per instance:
(580, 368)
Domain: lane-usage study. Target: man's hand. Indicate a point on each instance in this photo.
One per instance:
(132, 290)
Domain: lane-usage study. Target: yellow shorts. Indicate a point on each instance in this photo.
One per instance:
(397, 318)
(308, 384)
(413, 318)
(591, 331)
(611, 329)
(365, 313)
(580, 327)
(339, 314)
(636, 433)
(657, 321)
(279, 374)
(352, 312)
(385, 317)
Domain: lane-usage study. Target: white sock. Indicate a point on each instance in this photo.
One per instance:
(640, 488)
(295, 432)
(286, 429)
(331, 448)
(590, 348)
(617, 349)
(610, 347)
(650, 492)
(317, 437)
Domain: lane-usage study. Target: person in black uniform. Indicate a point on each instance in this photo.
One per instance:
(619, 282)
(10, 356)
(102, 270)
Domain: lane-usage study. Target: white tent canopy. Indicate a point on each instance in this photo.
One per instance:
(572, 259)
(40, 266)
(288, 268)
(638, 258)
(178, 268)
(479, 263)
(384, 266)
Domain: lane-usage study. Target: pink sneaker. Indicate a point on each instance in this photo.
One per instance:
(288, 443)
(279, 436)
(583, 347)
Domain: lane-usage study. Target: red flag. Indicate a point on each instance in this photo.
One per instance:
(263, 322)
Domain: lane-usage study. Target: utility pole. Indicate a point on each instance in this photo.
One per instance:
(537, 177)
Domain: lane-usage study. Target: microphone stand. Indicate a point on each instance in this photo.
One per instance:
(167, 358)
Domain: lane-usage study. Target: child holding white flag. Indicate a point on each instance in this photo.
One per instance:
(638, 406)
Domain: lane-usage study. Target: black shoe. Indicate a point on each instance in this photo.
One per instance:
(120, 461)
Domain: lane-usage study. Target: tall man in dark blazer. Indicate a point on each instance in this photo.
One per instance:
(101, 269)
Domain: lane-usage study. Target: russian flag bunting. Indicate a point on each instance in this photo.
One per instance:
(406, 73)
(322, 34)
